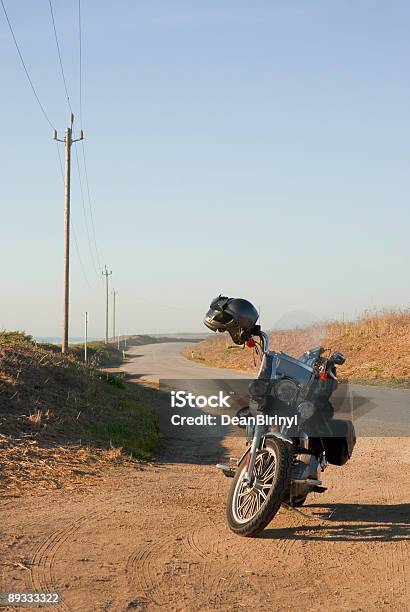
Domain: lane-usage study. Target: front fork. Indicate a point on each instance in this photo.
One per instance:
(259, 433)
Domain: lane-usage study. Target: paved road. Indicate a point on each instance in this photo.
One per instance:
(374, 410)
(153, 362)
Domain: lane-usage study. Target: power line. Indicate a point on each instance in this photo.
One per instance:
(106, 274)
(90, 205)
(46, 115)
(25, 68)
(69, 104)
(77, 249)
(84, 211)
(60, 162)
(59, 56)
(80, 61)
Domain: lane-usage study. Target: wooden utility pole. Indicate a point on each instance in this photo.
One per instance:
(106, 274)
(85, 337)
(113, 313)
(68, 141)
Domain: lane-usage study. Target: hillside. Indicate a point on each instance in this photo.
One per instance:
(376, 346)
(61, 421)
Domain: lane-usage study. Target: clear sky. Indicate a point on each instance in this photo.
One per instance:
(258, 149)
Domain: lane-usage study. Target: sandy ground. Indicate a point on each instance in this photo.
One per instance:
(156, 539)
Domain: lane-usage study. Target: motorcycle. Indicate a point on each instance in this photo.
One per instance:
(283, 464)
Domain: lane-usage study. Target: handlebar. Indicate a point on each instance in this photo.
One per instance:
(265, 341)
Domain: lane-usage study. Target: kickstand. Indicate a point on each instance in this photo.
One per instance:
(310, 518)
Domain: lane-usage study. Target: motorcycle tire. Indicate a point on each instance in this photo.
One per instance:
(250, 509)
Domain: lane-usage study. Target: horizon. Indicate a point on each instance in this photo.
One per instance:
(370, 313)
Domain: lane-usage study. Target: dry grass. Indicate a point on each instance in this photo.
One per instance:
(376, 346)
(53, 416)
(113, 453)
(38, 417)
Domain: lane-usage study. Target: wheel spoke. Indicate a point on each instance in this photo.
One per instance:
(265, 461)
(258, 502)
(243, 493)
(262, 494)
(251, 511)
(259, 464)
(245, 507)
(246, 499)
(249, 498)
(244, 502)
(269, 473)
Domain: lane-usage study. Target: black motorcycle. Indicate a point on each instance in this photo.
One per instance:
(283, 463)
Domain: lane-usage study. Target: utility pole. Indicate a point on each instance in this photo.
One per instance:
(68, 141)
(85, 337)
(113, 313)
(106, 274)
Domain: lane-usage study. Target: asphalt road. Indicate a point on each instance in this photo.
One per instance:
(375, 411)
(153, 362)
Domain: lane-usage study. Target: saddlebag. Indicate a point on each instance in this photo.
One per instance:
(339, 446)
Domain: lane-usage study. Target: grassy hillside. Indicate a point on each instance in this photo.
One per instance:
(99, 354)
(376, 346)
(61, 421)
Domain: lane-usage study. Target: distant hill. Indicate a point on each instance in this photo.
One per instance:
(174, 337)
(376, 347)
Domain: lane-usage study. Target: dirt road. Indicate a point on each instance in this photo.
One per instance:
(155, 538)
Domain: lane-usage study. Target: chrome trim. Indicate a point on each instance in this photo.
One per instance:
(323, 462)
(308, 481)
(265, 339)
(277, 434)
(259, 430)
(226, 469)
(304, 440)
(244, 455)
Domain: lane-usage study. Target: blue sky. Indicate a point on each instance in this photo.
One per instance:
(256, 149)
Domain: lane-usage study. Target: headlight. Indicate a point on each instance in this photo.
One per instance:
(306, 410)
(286, 391)
(259, 387)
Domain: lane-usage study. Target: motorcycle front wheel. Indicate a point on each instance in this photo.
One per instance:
(251, 508)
